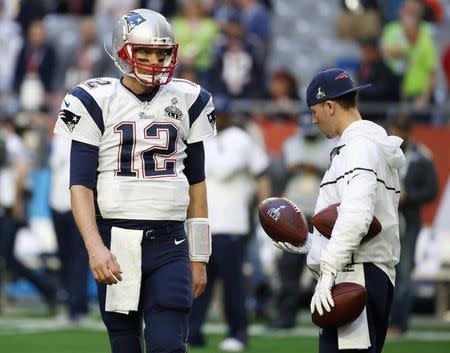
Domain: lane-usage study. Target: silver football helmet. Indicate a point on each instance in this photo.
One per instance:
(144, 28)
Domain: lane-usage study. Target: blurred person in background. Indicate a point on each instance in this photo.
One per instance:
(223, 11)
(87, 60)
(10, 42)
(385, 84)
(35, 69)
(14, 196)
(306, 156)
(28, 11)
(446, 65)
(74, 7)
(257, 26)
(105, 10)
(410, 52)
(167, 8)
(236, 168)
(283, 92)
(238, 62)
(359, 19)
(112, 8)
(419, 186)
(196, 33)
(71, 251)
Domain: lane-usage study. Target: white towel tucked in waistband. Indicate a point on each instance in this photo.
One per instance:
(354, 335)
(123, 297)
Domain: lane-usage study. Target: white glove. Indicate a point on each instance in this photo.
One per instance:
(322, 296)
(301, 249)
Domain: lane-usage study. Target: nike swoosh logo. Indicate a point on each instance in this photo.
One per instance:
(66, 103)
(178, 242)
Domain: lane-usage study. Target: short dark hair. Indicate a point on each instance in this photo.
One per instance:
(348, 100)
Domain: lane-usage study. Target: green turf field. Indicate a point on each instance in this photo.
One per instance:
(87, 341)
(19, 334)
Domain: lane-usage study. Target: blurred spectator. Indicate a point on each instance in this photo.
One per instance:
(35, 68)
(283, 92)
(385, 84)
(3, 155)
(358, 19)
(446, 65)
(74, 7)
(107, 12)
(71, 251)
(14, 194)
(433, 11)
(29, 12)
(306, 158)
(237, 69)
(409, 48)
(195, 32)
(419, 185)
(390, 10)
(187, 72)
(234, 166)
(223, 12)
(10, 42)
(256, 22)
(113, 9)
(167, 8)
(87, 60)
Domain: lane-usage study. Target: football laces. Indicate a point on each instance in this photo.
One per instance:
(292, 204)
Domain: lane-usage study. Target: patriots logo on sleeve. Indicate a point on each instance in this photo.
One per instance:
(69, 118)
(133, 19)
(212, 118)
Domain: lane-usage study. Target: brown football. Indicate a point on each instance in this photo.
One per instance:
(325, 219)
(349, 302)
(282, 220)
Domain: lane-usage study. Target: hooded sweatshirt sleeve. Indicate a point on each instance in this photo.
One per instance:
(359, 163)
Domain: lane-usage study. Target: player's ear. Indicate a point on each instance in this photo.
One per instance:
(330, 107)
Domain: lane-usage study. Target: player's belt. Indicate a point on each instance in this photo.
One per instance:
(162, 230)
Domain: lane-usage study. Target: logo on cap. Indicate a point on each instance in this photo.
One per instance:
(320, 94)
(342, 75)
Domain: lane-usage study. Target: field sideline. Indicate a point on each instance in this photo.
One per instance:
(55, 335)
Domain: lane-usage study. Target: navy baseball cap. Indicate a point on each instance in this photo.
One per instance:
(330, 84)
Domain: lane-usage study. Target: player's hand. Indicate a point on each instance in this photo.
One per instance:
(301, 249)
(199, 278)
(322, 296)
(104, 265)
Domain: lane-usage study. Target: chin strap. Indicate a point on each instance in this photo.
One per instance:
(199, 238)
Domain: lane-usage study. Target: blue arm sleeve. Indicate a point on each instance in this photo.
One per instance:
(194, 164)
(83, 164)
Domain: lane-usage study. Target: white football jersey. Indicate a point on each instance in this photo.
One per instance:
(363, 178)
(141, 144)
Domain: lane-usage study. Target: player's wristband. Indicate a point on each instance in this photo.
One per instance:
(199, 238)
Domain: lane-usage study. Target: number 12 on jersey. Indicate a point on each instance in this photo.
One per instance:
(154, 161)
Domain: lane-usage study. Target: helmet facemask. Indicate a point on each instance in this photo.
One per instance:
(150, 74)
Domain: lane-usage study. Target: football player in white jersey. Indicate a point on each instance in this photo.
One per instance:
(363, 178)
(137, 185)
